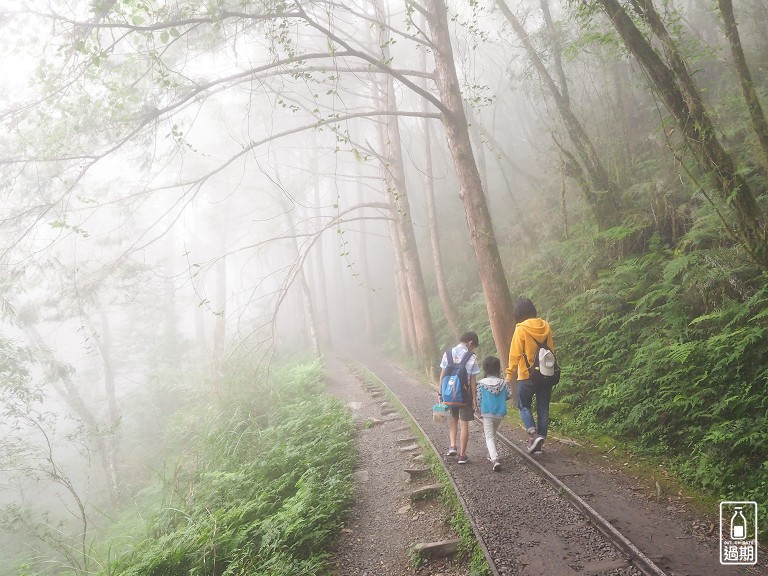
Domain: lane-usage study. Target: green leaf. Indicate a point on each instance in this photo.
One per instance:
(716, 315)
(679, 353)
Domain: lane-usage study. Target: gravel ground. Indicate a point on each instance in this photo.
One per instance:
(526, 526)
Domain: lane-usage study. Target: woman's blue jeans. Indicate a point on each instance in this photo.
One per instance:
(526, 390)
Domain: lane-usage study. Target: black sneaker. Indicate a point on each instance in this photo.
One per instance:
(540, 447)
(496, 465)
(463, 459)
(534, 444)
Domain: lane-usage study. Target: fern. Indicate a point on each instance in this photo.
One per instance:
(679, 353)
(263, 496)
(667, 350)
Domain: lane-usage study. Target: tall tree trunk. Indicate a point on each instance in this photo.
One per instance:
(194, 269)
(60, 377)
(534, 180)
(497, 299)
(309, 314)
(449, 310)
(170, 351)
(627, 108)
(419, 322)
(564, 207)
(303, 264)
(318, 279)
(476, 137)
(306, 297)
(402, 297)
(404, 308)
(365, 272)
(687, 108)
(759, 17)
(557, 51)
(506, 165)
(426, 346)
(745, 78)
(114, 417)
(602, 195)
(219, 333)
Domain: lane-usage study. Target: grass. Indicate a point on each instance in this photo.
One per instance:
(258, 491)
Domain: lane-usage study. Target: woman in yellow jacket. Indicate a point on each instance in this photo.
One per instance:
(529, 329)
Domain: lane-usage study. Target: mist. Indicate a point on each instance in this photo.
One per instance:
(189, 185)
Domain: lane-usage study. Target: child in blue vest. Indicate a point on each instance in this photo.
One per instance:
(492, 395)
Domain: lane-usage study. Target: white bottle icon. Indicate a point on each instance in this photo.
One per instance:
(738, 525)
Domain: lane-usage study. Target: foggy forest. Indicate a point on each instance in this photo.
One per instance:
(202, 200)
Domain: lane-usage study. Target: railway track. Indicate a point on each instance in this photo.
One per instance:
(632, 553)
(531, 519)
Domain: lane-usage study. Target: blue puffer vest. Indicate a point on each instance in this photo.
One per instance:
(492, 397)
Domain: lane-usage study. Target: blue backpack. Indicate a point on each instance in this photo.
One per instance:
(454, 388)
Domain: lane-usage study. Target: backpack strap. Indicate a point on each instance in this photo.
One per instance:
(449, 357)
(525, 358)
(466, 357)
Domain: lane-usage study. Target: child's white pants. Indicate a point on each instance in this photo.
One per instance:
(491, 427)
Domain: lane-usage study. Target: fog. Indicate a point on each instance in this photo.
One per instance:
(187, 185)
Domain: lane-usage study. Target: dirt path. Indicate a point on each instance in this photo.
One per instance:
(384, 523)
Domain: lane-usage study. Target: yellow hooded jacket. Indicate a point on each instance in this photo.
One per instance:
(523, 340)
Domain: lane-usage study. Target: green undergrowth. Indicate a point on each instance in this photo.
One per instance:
(261, 489)
(664, 354)
(469, 550)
